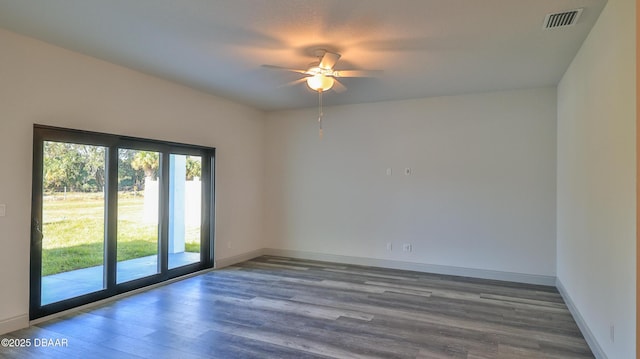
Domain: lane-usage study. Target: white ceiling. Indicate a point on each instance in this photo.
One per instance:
(424, 47)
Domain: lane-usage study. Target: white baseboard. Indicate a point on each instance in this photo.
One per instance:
(15, 323)
(418, 267)
(225, 262)
(582, 324)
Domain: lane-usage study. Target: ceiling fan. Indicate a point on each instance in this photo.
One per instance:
(321, 76)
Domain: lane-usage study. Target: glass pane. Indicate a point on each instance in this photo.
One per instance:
(185, 202)
(73, 207)
(138, 198)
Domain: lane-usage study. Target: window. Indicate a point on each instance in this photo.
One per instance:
(114, 213)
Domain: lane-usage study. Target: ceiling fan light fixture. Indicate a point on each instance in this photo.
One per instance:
(320, 82)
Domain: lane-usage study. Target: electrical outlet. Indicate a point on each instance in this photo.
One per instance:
(229, 245)
(389, 171)
(406, 247)
(407, 171)
(389, 246)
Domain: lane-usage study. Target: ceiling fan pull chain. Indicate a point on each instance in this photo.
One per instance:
(320, 113)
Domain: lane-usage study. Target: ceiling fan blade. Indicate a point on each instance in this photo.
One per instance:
(338, 86)
(328, 60)
(357, 73)
(273, 67)
(295, 82)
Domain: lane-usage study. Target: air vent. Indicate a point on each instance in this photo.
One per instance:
(562, 19)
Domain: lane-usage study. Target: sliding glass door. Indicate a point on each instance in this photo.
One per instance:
(113, 213)
(73, 220)
(185, 203)
(138, 229)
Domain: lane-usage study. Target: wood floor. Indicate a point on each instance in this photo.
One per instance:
(274, 307)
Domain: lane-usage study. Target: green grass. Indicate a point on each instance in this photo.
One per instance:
(74, 234)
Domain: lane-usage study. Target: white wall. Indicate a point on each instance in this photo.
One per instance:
(47, 85)
(481, 196)
(596, 180)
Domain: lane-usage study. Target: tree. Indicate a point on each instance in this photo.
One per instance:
(146, 161)
(194, 167)
(128, 177)
(75, 167)
(93, 164)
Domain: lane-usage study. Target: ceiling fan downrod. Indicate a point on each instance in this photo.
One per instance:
(320, 114)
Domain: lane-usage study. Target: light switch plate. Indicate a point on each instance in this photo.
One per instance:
(3, 210)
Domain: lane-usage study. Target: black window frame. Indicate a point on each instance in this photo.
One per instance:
(112, 142)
